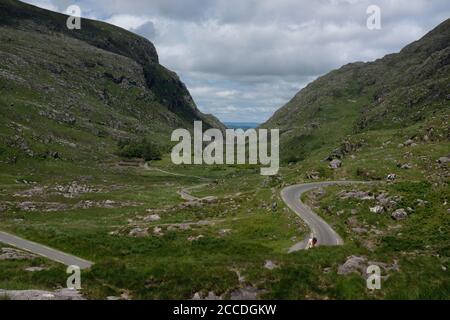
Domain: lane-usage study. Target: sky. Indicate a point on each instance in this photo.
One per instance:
(244, 59)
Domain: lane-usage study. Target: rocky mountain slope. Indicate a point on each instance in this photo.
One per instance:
(400, 90)
(75, 93)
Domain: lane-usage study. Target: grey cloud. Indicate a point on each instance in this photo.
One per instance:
(242, 59)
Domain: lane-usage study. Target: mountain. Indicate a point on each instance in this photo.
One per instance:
(76, 93)
(395, 92)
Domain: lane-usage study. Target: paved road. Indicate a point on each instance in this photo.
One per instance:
(44, 251)
(325, 235)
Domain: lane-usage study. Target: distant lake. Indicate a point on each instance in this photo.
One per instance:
(241, 125)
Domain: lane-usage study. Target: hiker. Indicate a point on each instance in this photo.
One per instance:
(311, 243)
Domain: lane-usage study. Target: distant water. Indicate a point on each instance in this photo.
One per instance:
(241, 125)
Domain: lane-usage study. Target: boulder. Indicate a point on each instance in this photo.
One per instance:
(353, 264)
(152, 217)
(443, 160)
(377, 209)
(138, 232)
(270, 265)
(391, 177)
(399, 214)
(335, 164)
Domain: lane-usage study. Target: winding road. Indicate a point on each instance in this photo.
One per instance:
(325, 235)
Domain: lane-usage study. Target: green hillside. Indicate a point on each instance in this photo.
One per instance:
(400, 90)
(75, 93)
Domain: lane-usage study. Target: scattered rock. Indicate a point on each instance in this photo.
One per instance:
(247, 293)
(270, 265)
(312, 175)
(157, 231)
(224, 232)
(152, 217)
(138, 232)
(405, 166)
(377, 209)
(335, 164)
(16, 254)
(408, 142)
(359, 230)
(399, 214)
(36, 269)
(195, 238)
(353, 264)
(391, 177)
(211, 296)
(61, 294)
(355, 194)
(443, 160)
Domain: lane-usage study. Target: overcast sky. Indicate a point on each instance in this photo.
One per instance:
(243, 59)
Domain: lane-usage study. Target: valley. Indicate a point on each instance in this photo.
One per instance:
(85, 168)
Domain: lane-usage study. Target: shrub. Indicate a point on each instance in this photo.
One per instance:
(139, 149)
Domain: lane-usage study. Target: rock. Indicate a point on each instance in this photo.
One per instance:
(389, 203)
(35, 269)
(313, 175)
(138, 232)
(211, 296)
(210, 199)
(355, 194)
(406, 166)
(195, 238)
(16, 254)
(335, 164)
(399, 214)
(224, 232)
(377, 209)
(443, 160)
(152, 217)
(359, 230)
(270, 265)
(247, 293)
(391, 177)
(408, 142)
(353, 264)
(61, 294)
(157, 231)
